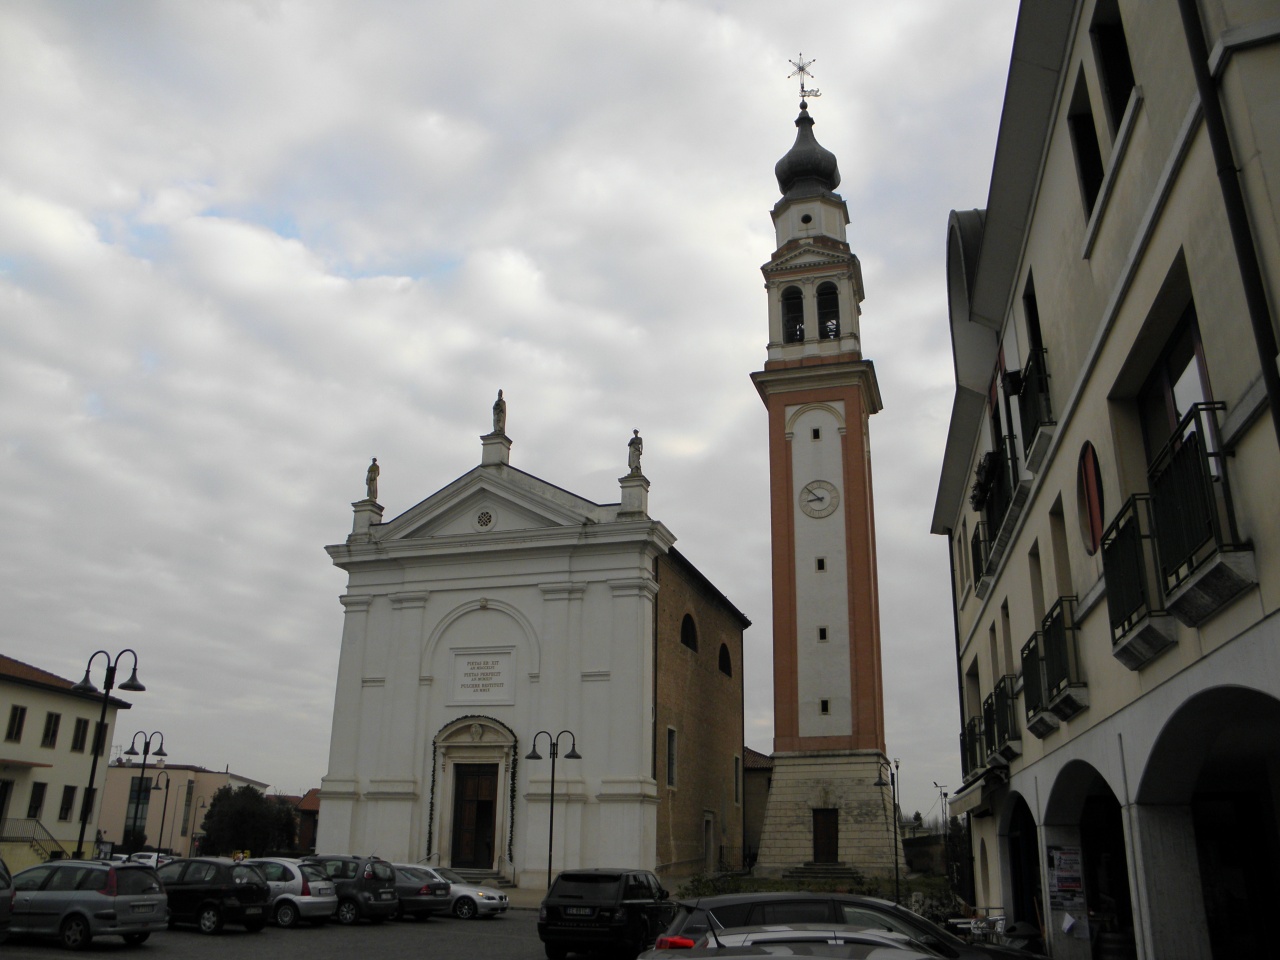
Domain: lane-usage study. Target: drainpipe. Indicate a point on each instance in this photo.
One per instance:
(1233, 200)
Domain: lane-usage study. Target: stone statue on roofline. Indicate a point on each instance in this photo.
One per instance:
(635, 447)
(371, 480)
(500, 415)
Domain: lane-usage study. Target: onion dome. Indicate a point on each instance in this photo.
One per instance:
(808, 167)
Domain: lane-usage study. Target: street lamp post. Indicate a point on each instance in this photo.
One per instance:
(893, 790)
(164, 809)
(571, 755)
(142, 777)
(86, 686)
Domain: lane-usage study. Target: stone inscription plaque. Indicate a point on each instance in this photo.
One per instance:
(482, 677)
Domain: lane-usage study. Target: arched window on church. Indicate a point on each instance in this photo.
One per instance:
(828, 311)
(688, 633)
(726, 665)
(792, 315)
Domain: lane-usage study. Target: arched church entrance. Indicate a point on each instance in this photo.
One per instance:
(1088, 868)
(472, 799)
(1210, 788)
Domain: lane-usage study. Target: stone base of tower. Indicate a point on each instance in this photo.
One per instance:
(814, 795)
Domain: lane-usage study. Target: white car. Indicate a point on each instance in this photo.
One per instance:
(153, 860)
(466, 899)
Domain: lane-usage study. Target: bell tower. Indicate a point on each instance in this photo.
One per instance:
(828, 802)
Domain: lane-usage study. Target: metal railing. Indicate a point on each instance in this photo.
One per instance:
(1004, 720)
(1128, 562)
(1034, 410)
(980, 549)
(26, 830)
(1190, 497)
(1061, 656)
(973, 756)
(1033, 684)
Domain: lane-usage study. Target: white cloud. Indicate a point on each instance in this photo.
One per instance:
(246, 246)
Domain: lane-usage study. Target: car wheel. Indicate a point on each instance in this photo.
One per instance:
(209, 920)
(136, 939)
(348, 912)
(286, 914)
(464, 908)
(75, 933)
(555, 951)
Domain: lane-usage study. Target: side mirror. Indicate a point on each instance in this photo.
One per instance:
(663, 894)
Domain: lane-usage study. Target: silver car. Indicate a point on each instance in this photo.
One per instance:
(467, 899)
(299, 890)
(77, 900)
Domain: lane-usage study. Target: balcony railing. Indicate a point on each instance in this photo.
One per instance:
(1034, 410)
(1064, 684)
(973, 756)
(980, 549)
(1141, 629)
(1194, 522)
(1035, 705)
(1003, 735)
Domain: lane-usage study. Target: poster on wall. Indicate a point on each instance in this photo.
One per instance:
(1066, 889)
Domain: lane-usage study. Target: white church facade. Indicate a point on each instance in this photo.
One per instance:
(501, 606)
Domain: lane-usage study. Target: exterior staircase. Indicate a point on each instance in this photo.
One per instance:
(488, 878)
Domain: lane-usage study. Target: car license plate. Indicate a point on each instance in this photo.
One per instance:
(387, 895)
(143, 907)
(250, 911)
(577, 911)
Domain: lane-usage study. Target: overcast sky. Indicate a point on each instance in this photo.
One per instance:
(245, 246)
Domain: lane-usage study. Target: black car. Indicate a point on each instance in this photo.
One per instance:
(615, 910)
(693, 917)
(420, 894)
(213, 891)
(6, 900)
(366, 887)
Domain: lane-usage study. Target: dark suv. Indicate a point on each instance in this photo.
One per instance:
(366, 887)
(212, 891)
(694, 917)
(619, 910)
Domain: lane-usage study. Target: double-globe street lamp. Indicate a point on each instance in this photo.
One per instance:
(571, 755)
(100, 732)
(142, 777)
(893, 789)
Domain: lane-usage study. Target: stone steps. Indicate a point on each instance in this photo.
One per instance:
(823, 872)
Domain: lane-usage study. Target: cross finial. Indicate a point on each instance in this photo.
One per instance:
(802, 70)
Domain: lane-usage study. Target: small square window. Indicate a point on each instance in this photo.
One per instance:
(825, 706)
(817, 433)
(822, 634)
(821, 564)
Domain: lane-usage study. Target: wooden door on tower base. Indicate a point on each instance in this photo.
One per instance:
(826, 835)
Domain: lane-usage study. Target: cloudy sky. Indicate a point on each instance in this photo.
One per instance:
(245, 246)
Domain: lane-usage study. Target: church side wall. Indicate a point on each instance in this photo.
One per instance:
(704, 708)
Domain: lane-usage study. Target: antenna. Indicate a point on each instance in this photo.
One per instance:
(802, 70)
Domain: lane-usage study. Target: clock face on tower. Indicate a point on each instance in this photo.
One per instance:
(819, 499)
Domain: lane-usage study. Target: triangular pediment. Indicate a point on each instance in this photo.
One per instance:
(806, 258)
(485, 501)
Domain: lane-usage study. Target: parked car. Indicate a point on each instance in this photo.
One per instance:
(151, 858)
(817, 937)
(693, 918)
(6, 900)
(615, 910)
(213, 891)
(77, 900)
(466, 899)
(366, 887)
(299, 891)
(420, 893)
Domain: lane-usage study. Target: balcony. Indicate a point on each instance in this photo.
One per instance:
(972, 748)
(1002, 734)
(1034, 412)
(1141, 629)
(1204, 565)
(980, 555)
(1064, 684)
(999, 496)
(1040, 722)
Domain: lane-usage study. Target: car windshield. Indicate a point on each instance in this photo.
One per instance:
(382, 871)
(243, 873)
(587, 885)
(313, 872)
